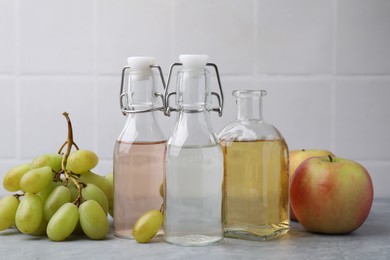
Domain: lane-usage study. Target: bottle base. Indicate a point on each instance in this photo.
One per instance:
(258, 234)
(123, 233)
(193, 240)
(128, 234)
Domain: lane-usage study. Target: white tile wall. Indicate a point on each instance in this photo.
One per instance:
(8, 126)
(379, 171)
(325, 65)
(110, 120)
(7, 36)
(223, 27)
(294, 37)
(363, 37)
(57, 37)
(133, 28)
(43, 128)
(362, 118)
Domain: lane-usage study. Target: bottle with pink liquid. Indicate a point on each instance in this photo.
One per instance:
(140, 148)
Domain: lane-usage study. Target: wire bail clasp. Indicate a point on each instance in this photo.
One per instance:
(167, 95)
(124, 96)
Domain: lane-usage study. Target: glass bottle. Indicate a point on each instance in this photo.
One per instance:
(256, 185)
(140, 148)
(194, 160)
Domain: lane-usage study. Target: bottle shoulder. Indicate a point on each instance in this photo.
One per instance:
(141, 129)
(247, 130)
(193, 129)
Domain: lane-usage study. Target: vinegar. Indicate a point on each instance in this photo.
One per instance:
(138, 175)
(193, 202)
(256, 188)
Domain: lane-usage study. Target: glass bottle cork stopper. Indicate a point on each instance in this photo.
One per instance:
(140, 66)
(194, 62)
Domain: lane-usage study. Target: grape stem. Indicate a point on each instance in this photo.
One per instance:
(17, 195)
(70, 140)
(79, 186)
(68, 175)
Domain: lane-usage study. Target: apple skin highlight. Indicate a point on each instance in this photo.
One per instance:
(331, 197)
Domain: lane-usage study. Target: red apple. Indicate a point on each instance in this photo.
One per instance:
(331, 195)
(296, 158)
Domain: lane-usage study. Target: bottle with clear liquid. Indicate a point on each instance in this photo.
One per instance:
(256, 184)
(194, 159)
(139, 153)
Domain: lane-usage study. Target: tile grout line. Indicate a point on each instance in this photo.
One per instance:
(95, 75)
(256, 37)
(270, 76)
(17, 74)
(173, 31)
(334, 75)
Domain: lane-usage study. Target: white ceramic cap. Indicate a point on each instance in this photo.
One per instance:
(140, 63)
(194, 61)
(140, 67)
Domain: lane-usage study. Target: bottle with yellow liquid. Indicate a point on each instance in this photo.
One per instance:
(256, 185)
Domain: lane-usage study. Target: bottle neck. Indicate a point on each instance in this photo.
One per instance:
(249, 108)
(193, 91)
(140, 94)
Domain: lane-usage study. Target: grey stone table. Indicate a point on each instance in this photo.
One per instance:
(371, 241)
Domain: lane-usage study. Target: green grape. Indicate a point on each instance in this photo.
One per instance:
(41, 230)
(81, 161)
(29, 214)
(59, 196)
(100, 181)
(92, 192)
(93, 220)
(8, 206)
(11, 181)
(63, 222)
(44, 194)
(147, 226)
(110, 178)
(162, 190)
(74, 192)
(53, 160)
(36, 180)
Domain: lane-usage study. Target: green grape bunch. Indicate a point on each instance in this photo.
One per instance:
(58, 195)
